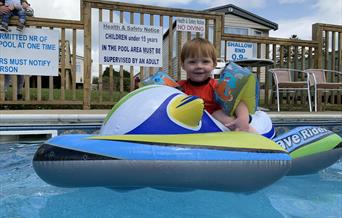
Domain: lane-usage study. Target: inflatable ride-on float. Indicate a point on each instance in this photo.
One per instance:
(159, 137)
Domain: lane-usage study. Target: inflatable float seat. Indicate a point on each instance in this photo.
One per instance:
(159, 109)
(312, 148)
(160, 78)
(218, 161)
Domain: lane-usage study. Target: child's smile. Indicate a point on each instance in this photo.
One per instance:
(198, 69)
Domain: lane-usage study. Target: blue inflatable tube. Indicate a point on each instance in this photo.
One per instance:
(213, 161)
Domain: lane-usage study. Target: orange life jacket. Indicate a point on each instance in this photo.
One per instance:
(204, 91)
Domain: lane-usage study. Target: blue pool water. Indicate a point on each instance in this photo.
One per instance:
(23, 194)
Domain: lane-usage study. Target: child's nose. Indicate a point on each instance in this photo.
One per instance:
(199, 64)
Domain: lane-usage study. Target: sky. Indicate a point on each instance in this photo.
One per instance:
(292, 16)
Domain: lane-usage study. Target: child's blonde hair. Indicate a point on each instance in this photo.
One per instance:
(198, 47)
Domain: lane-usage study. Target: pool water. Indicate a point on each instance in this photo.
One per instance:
(24, 194)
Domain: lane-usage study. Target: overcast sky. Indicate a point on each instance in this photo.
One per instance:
(292, 16)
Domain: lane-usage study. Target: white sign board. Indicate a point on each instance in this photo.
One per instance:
(187, 24)
(130, 45)
(239, 50)
(33, 52)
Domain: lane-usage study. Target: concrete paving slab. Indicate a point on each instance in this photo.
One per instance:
(11, 117)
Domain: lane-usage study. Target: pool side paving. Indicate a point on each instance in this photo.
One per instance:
(50, 117)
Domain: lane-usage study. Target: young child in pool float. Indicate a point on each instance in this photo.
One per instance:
(198, 59)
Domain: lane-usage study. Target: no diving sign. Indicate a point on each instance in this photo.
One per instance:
(186, 24)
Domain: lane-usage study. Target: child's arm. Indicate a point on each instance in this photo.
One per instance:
(222, 117)
(241, 123)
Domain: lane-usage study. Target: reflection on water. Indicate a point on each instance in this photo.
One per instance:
(310, 195)
(23, 194)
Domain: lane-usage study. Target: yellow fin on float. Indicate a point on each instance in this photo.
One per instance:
(186, 110)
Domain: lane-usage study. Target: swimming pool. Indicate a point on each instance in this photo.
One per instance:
(23, 194)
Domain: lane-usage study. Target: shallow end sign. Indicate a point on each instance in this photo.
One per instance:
(33, 52)
(239, 50)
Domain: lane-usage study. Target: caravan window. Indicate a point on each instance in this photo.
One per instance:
(236, 30)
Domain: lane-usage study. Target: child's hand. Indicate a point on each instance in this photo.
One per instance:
(10, 6)
(24, 5)
(4, 9)
(239, 124)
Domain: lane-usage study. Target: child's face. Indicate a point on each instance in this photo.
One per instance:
(198, 69)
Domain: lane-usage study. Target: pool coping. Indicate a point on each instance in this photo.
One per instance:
(96, 117)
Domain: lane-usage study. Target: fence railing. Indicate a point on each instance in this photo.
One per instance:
(49, 90)
(324, 51)
(289, 53)
(329, 57)
(143, 15)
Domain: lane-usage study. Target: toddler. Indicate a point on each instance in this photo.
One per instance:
(198, 59)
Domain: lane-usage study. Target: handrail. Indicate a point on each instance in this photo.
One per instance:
(269, 40)
(49, 22)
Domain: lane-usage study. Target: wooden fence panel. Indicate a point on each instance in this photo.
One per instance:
(40, 90)
(324, 51)
(330, 58)
(87, 55)
(288, 53)
(73, 70)
(149, 16)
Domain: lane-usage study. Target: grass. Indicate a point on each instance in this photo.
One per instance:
(108, 100)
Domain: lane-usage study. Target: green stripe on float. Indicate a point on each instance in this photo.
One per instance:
(124, 99)
(219, 139)
(325, 144)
